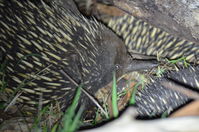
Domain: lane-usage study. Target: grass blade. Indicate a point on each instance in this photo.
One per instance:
(70, 112)
(114, 97)
(132, 100)
(76, 120)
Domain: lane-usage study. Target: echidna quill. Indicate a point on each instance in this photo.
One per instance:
(141, 37)
(42, 43)
(166, 94)
(144, 38)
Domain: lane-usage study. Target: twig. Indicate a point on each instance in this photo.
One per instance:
(13, 101)
(85, 92)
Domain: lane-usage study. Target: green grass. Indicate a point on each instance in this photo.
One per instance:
(122, 93)
(55, 127)
(37, 121)
(114, 102)
(114, 97)
(182, 59)
(160, 71)
(140, 83)
(165, 114)
(105, 106)
(98, 113)
(71, 120)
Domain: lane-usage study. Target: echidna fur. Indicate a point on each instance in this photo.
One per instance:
(156, 99)
(141, 37)
(42, 42)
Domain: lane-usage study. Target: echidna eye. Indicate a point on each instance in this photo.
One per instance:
(117, 66)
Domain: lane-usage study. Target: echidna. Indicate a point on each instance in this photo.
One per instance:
(163, 95)
(144, 38)
(139, 36)
(42, 43)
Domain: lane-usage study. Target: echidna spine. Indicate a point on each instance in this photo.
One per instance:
(144, 38)
(157, 97)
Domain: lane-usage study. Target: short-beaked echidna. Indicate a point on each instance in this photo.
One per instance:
(162, 94)
(43, 43)
(144, 38)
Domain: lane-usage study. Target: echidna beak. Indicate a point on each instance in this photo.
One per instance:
(137, 65)
(140, 62)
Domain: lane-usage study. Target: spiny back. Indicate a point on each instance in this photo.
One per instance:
(42, 43)
(144, 38)
(161, 96)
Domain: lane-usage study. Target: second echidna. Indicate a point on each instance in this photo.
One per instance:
(144, 38)
(166, 94)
